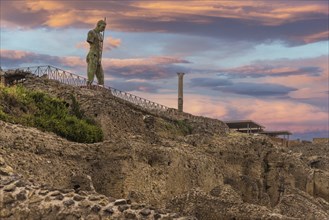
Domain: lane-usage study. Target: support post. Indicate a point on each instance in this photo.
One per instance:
(2, 78)
(180, 91)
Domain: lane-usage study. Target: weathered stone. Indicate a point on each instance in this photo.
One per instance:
(20, 183)
(66, 190)
(8, 198)
(122, 208)
(145, 212)
(78, 198)
(156, 216)
(94, 198)
(5, 213)
(35, 199)
(2, 161)
(9, 188)
(85, 203)
(68, 202)
(167, 218)
(215, 191)
(136, 206)
(6, 171)
(108, 210)
(96, 208)
(162, 211)
(21, 195)
(55, 193)
(8, 180)
(187, 218)
(120, 202)
(83, 193)
(59, 197)
(111, 199)
(70, 194)
(130, 215)
(92, 217)
(43, 192)
(68, 216)
(174, 215)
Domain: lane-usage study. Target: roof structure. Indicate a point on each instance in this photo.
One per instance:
(243, 124)
(247, 126)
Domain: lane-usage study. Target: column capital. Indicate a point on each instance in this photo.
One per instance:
(180, 74)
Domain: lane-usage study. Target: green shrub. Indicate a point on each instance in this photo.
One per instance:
(49, 114)
(184, 126)
(75, 108)
(3, 116)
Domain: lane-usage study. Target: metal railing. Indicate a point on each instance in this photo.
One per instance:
(57, 74)
(72, 79)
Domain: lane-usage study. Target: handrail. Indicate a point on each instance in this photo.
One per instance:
(73, 79)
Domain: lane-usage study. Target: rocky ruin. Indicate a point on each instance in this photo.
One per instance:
(155, 167)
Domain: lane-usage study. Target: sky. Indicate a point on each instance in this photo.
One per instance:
(261, 60)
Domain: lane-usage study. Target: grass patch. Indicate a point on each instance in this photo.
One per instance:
(38, 109)
(174, 127)
(184, 126)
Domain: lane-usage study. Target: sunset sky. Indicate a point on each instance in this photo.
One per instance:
(264, 60)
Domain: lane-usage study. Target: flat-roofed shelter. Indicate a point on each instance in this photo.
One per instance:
(245, 126)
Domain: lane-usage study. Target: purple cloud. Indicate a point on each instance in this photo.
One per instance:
(133, 86)
(243, 21)
(257, 89)
(257, 71)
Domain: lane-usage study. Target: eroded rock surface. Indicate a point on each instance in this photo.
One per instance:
(162, 165)
(23, 199)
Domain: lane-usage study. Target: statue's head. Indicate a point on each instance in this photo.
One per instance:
(101, 24)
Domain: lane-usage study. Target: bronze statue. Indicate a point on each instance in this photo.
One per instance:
(94, 57)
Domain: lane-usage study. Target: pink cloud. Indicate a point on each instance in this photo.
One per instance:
(324, 35)
(18, 58)
(193, 104)
(308, 85)
(309, 75)
(110, 43)
(72, 61)
(37, 5)
(270, 70)
(275, 13)
(14, 54)
(285, 115)
(162, 16)
(138, 68)
(273, 114)
(156, 60)
(82, 45)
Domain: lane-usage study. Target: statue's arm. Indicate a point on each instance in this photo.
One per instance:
(91, 37)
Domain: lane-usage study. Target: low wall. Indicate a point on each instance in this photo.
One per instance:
(321, 140)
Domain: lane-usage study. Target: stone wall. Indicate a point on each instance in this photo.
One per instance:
(23, 199)
(321, 140)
